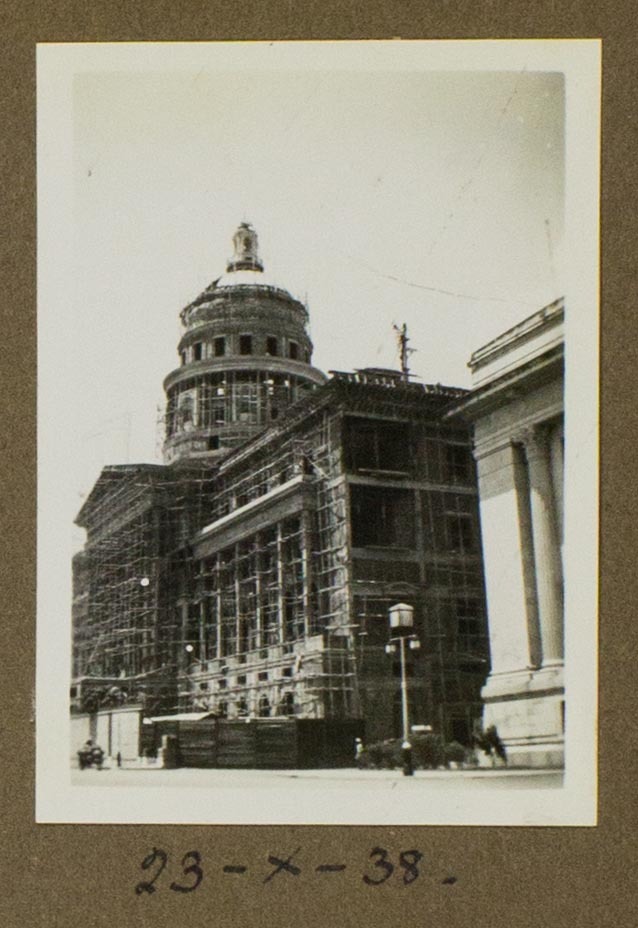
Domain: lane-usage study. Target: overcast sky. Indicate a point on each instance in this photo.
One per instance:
(430, 198)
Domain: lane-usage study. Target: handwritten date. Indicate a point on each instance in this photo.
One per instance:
(380, 868)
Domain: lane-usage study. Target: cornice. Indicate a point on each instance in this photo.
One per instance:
(244, 363)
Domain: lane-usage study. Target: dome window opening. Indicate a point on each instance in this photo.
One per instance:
(219, 346)
(197, 351)
(213, 443)
(245, 344)
(246, 402)
(293, 351)
(272, 346)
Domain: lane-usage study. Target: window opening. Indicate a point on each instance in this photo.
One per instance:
(460, 532)
(459, 464)
(382, 517)
(287, 705)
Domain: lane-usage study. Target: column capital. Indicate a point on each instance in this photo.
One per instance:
(487, 448)
(534, 438)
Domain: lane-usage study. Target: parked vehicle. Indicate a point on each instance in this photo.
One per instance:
(91, 755)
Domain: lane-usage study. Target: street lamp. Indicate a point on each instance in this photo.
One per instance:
(401, 624)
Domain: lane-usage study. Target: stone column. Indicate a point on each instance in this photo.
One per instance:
(306, 563)
(521, 482)
(549, 577)
(259, 619)
(239, 619)
(281, 621)
(218, 608)
(203, 650)
(183, 657)
(558, 477)
(508, 558)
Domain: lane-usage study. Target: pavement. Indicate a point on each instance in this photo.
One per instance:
(144, 774)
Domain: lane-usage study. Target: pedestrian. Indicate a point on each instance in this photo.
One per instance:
(97, 756)
(358, 751)
(85, 754)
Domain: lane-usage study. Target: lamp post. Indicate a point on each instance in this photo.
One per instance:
(401, 624)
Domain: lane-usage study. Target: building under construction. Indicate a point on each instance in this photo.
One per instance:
(250, 576)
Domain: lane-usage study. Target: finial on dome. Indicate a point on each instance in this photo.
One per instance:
(246, 256)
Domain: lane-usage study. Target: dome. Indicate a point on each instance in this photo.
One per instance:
(245, 279)
(245, 358)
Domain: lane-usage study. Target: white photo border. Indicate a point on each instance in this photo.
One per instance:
(576, 802)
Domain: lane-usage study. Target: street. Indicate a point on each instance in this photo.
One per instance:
(324, 780)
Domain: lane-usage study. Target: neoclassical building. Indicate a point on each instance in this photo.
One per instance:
(250, 575)
(516, 406)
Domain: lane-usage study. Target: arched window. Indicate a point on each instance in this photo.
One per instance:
(287, 705)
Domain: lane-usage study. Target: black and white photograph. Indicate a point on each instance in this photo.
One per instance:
(318, 432)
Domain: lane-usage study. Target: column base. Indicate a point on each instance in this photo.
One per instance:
(527, 708)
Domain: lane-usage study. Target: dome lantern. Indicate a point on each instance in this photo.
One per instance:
(246, 256)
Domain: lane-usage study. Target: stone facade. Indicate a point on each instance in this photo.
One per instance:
(517, 409)
(251, 574)
(362, 497)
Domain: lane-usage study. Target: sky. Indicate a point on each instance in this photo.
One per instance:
(425, 197)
